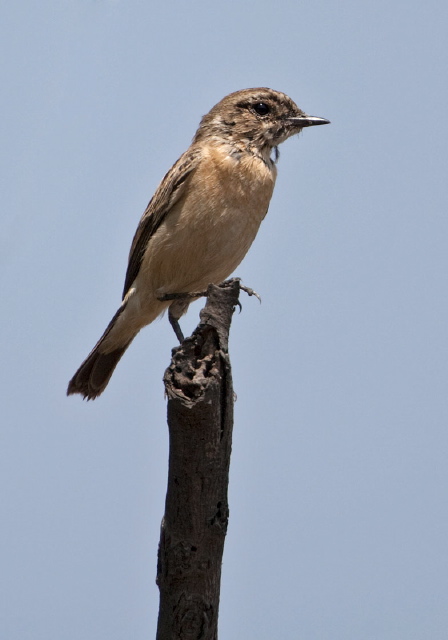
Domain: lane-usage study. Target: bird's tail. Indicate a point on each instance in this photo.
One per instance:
(95, 372)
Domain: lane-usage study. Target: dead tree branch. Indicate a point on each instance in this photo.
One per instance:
(200, 420)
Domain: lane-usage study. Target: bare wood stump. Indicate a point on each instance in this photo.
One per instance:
(200, 419)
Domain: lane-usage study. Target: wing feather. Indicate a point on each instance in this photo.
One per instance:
(167, 194)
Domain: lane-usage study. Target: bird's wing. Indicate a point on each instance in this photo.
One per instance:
(167, 194)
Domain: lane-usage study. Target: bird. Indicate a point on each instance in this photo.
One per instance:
(200, 222)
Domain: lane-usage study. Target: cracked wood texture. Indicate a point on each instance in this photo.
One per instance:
(198, 384)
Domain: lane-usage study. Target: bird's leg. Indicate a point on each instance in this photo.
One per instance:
(176, 326)
(181, 302)
(181, 296)
(177, 309)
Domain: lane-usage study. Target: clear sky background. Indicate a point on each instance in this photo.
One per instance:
(339, 476)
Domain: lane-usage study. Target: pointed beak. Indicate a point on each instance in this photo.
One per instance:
(307, 121)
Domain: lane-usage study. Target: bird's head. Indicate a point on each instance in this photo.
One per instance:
(257, 118)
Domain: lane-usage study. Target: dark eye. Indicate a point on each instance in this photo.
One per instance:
(261, 108)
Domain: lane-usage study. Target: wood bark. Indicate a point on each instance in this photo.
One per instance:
(198, 384)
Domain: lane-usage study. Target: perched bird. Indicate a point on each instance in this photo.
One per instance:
(201, 220)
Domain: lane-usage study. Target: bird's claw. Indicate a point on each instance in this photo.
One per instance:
(188, 297)
(250, 292)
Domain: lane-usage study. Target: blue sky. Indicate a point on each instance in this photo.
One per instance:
(338, 517)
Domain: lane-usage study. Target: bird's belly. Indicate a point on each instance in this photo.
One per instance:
(201, 252)
(206, 235)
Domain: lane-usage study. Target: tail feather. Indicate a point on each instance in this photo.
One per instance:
(95, 372)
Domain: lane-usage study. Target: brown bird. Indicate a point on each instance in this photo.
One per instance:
(201, 220)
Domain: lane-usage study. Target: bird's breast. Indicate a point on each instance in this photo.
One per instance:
(210, 229)
(231, 190)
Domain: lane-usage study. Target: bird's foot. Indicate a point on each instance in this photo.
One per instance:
(180, 302)
(250, 292)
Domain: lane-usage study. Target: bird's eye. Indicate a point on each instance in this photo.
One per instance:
(261, 108)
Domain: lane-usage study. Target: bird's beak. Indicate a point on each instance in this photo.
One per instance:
(307, 121)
